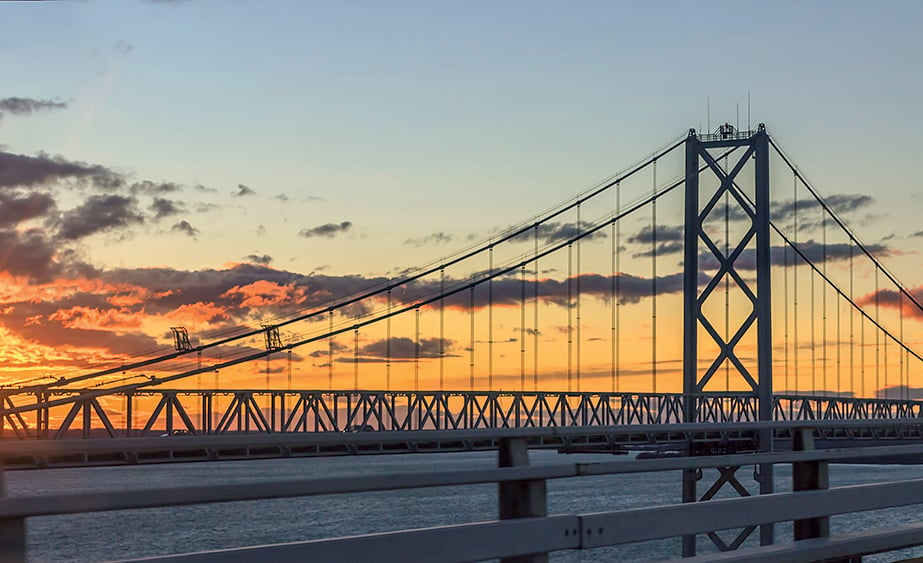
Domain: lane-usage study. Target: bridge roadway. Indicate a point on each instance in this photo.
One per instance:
(703, 438)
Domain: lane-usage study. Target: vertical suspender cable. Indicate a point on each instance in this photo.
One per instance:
(490, 317)
(884, 359)
(535, 320)
(471, 360)
(904, 384)
(577, 305)
(839, 357)
(356, 355)
(441, 329)
(388, 346)
(795, 344)
(813, 348)
(522, 326)
(862, 354)
(617, 333)
(785, 271)
(852, 325)
(877, 334)
(330, 354)
(823, 285)
(289, 369)
(570, 317)
(654, 278)
(416, 349)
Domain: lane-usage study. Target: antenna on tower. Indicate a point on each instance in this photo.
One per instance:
(708, 112)
(748, 110)
(738, 117)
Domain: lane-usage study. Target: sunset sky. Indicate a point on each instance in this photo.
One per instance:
(216, 164)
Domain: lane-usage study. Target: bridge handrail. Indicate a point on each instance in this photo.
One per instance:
(526, 535)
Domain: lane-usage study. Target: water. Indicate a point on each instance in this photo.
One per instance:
(139, 533)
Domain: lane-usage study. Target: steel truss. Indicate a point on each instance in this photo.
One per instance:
(216, 412)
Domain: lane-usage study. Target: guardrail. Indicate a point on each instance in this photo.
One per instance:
(524, 530)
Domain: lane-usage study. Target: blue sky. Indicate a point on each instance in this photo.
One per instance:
(387, 123)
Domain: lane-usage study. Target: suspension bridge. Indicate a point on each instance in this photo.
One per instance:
(707, 298)
(736, 303)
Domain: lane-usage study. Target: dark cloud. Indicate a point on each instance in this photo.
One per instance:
(162, 207)
(97, 214)
(262, 259)
(18, 170)
(893, 299)
(406, 348)
(663, 249)
(557, 232)
(669, 240)
(27, 106)
(428, 240)
(328, 230)
(153, 188)
(325, 352)
(16, 207)
(812, 250)
(243, 190)
(840, 203)
(185, 228)
(665, 233)
(28, 254)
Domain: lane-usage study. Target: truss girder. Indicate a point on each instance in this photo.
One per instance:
(337, 411)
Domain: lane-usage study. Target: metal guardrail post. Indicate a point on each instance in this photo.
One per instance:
(809, 476)
(520, 499)
(12, 534)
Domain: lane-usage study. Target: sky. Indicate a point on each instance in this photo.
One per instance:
(214, 164)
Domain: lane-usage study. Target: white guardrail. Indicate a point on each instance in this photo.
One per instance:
(524, 531)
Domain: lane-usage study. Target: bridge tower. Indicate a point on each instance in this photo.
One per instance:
(699, 372)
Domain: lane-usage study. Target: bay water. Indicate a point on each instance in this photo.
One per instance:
(139, 533)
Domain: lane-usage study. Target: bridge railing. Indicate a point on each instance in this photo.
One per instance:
(524, 528)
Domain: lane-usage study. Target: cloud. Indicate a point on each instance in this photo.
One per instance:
(29, 254)
(17, 207)
(893, 299)
(123, 47)
(27, 106)
(812, 250)
(328, 230)
(665, 233)
(97, 214)
(428, 240)
(556, 232)
(262, 259)
(185, 228)
(162, 207)
(152, 188)
(18, 170)
(406, 348)
(243, 190)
